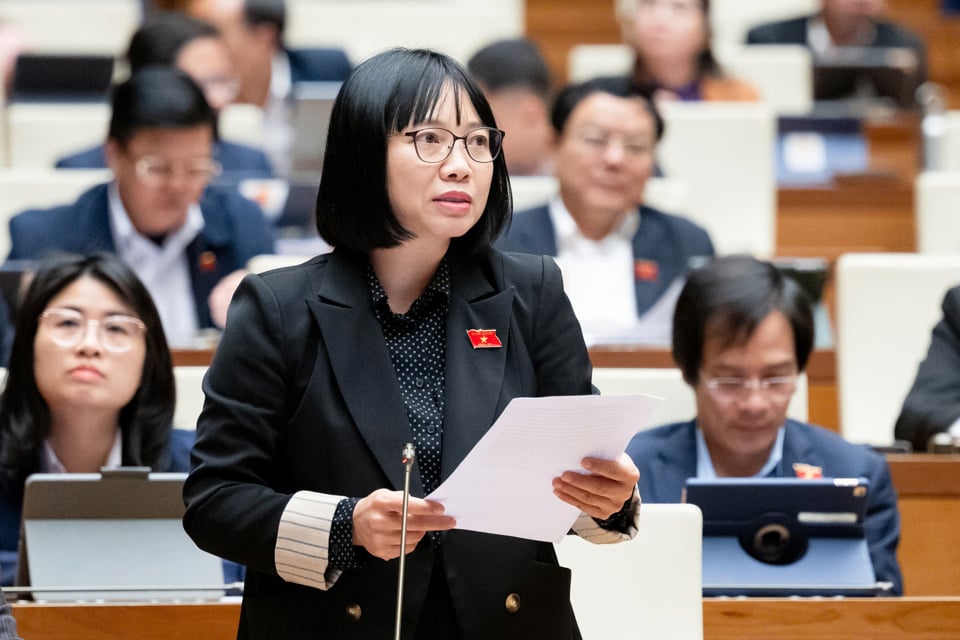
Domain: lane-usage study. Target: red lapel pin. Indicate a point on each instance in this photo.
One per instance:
(484, 338)
(806, 471)
(208, 262)
(646, 270)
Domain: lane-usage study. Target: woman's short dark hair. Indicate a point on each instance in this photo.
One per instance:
(145, 422)
(160, 38)
(158, 98)
(382, 96)
(728, 298)
(573, 94)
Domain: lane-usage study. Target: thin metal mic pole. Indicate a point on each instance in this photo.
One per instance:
(407, 460)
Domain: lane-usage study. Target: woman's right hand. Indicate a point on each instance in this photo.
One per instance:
(377, 519)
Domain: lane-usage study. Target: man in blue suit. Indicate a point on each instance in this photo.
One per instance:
(172, 38)
(742, 334)
(189, 243)
(623, 262)
(253, 30)
(846, 24)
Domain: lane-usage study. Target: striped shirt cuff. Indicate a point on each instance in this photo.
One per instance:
(303, 540)
(588, 529)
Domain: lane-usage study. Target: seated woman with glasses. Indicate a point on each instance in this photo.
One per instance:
(674, 60)
(188, 242)
(412, 330)
(90, 384)
(742, 333)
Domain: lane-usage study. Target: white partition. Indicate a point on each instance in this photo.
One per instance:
(725, 154)
(782, 73)
(243, 124)
(364, 27)
(948, 156)
(74, 26)
(648, 587)
(887, 305)
(679, 403)
(38, 134)
(585, 61)
(22, 189)
(938, 212)
(731, 19)
(190, 396)
(532, 191)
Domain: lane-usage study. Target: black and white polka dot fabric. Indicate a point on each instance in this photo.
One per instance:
(416, 342)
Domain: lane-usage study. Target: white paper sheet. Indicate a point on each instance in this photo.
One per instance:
(504, 485)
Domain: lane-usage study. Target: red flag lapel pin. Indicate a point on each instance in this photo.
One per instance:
(207, 262)
(807, 471)
(484, 338)
(646, 270)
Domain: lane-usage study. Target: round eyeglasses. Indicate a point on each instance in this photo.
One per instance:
(68, 328)
(736, 388)
(435, 144)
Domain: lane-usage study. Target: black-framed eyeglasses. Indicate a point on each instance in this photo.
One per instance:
(435, 144)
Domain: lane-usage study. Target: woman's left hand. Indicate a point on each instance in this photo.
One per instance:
(601, 492)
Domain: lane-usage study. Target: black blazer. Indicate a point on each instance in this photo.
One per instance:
(302, 395)
(933, 403)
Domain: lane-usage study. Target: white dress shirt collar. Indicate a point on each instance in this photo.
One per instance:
(52, 464)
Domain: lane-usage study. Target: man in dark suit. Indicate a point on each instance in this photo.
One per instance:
(742, 334)
(175, 39)
(189, 243)
(844, 24)
(253, 30)
(623, 262)
(932, 406)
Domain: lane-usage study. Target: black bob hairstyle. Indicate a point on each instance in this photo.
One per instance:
(383, 95)
(573, 94)
(145, 421)
(728, 298)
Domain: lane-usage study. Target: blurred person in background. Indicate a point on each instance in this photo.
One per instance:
(516, 81)
(188, 242)
(674, 59)
(196, 48)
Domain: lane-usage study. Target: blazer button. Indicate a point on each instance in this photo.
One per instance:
(513, 603)
(354, 612)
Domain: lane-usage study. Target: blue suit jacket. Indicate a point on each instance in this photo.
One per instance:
(664, 240)
(318, 65)
(234, 230)
(238, 160)
(667, 456)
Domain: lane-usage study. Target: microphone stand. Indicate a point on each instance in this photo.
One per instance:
(407, 460)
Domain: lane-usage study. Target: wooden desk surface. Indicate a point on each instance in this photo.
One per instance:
(723, 619)
(831, 618)
(928, 490)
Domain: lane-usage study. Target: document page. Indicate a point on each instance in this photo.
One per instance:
(504, 485)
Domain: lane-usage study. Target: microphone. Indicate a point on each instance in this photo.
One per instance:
(407, 461)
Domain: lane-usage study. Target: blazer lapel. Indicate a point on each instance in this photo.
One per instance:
(674, 462)
(474, 377)
(797, 448)
(361, 364)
